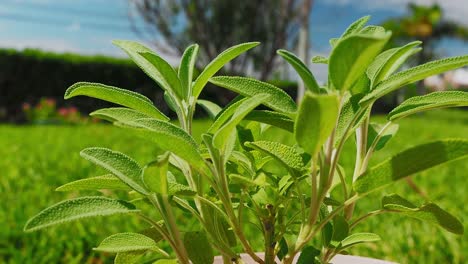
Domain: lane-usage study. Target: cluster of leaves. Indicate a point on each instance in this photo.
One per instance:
(299, 195)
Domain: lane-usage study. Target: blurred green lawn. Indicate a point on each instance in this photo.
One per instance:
(34, 160)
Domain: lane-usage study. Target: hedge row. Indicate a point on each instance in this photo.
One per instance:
(26, 76)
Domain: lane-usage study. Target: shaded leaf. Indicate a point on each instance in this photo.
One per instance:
(410, 161)
(358, 238)
(119, 164)
(279, 101)
(128, 257)
(126, 242)
(198, 248)
(215, 65)
(428, 102)
(74, 209)
(348, 112)
(117, 96)
(430, 213)
(308, 255)
(374, 130)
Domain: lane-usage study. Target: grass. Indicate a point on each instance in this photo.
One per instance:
(36, 160)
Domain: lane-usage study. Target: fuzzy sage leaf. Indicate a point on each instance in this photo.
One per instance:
(428, 102)
(126, 242)
(409, 162)
(107, 182)
(304, 72)
(186, 67)
(430, 213)
(74, 209)
(117, 96)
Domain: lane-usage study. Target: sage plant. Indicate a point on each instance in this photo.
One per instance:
(241, 187)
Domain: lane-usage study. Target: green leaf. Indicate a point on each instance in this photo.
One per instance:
(389, 61)
(198, 248)
(315, 121)
(163, 73)
(223, 116)
(108, 182)
(372, 30)
(153, 65)
(225, 132)
(308, 255)
(186, 67)
(272, 118)
(430, 213)
(348, 112)
(119, 114)
(176, 188)
(304, 72)
(218, 62)
(119, 164)
(155, 174)
(340, 229)
(356, 26)
(351, 57)
(170, 138)
(216, 224)
(128, 257)
(117, 96)
(412, 75)
(279, 101)
(358, 238)
(74, 209)
(286, 155)
(166, 261)
(319, 59)
(409, 162)
(211, 108)
(428, 102)
(126, 242)
(374, 130)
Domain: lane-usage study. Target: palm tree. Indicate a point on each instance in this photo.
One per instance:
(425, 23)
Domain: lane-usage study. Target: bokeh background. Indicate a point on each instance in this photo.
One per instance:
(47, 45)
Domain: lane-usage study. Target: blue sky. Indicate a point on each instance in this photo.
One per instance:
(88, 26)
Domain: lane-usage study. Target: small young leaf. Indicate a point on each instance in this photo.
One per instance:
(119, 114)
(186, 67)
(108, 182)
(348, 112)
(428, 102)
(279, 101)
(272, 118)
(218, 62)
(74, 209)
(117, 96)
(372, 30)
(198, 248)
(211, 108)
(430, 213)
(389, 61)
(374, 130)
(409, 162)
(119, 164)
(315, 121)
(286, 155)
(356, 26)
(304, 72)
(351, 57)
(412, 75)
(126, 242)
(170, 138)
(319, 59)
(153, 65)
(223, 116)
(358, 238)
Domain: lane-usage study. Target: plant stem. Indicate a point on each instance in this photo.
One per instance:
(269, 234)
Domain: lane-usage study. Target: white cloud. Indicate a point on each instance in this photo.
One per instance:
(456, 10)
